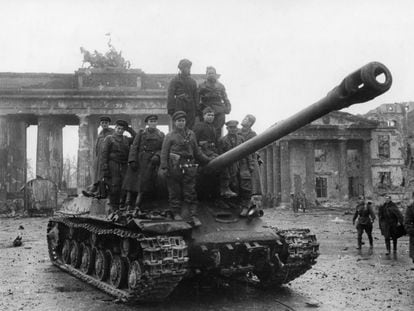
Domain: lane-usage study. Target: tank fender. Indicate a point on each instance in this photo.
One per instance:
(159, 227)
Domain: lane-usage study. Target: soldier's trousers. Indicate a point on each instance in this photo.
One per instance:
(240, 182)
(118, 172)
(181, 184)
(368, 229)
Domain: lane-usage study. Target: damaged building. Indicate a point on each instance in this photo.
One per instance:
(341, 156)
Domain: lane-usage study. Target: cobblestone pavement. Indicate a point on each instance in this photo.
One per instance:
(342, 279)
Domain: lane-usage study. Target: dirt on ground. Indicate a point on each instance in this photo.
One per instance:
(343, 278)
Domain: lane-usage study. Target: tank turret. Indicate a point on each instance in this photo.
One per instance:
(360, 86)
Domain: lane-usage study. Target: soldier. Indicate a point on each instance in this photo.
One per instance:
(143, 163)
(206, 134)
(409, 226)
(178, 163)
(213, 94)
(247, 133)
(235, 180)
(114, 156)
(182, 93)
(364, 215)
(104, 122)
(389, 216)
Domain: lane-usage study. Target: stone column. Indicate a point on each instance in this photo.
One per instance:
(342, 172)
(269, 170)
(310, 171)
(3, 157)
(285, 171)
(276, 172)
(85, 152)
(16, 159)
(49, 163)
(367, 167)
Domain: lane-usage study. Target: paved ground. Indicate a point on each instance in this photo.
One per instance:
(343, 278)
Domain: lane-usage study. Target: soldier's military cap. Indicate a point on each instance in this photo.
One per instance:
(208, 110)
(232, 123)
(211, 68)
(104, 118)
(179, 114)
(151, 117)
(121, 123)
(184, 63)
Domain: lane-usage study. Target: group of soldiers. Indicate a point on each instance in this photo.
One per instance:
(132, 166)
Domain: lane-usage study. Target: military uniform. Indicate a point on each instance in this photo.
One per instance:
(98, 152)
(183, 96)
(114, 156)
(144, 159)
(365, 216)
(236, 176)
(409, 227)
(389, 216)
(213, 94)
(206, 138)
(178, 157)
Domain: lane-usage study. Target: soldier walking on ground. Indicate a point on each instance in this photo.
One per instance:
(389, 216)
(364, 217)
(182, 93)
(213, 94)
(143, 164)
(409, 226)
(235, 180)
(180, 156)
(114, 155)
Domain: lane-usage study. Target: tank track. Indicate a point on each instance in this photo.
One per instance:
(163, 261)
(303, 250)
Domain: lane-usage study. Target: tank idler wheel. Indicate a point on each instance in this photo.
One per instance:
(66, 252)
(88, 259)
(134, 275)
(119, 271)
(102, 264)
(76, 254)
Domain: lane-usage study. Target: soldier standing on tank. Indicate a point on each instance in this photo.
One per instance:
(143, 163)
(213, 94)
(104, 122)
(236, 179)
(114, 156)
(178, 164)
(247, 133)
(182, 93)
(206, 134)
(364, 217)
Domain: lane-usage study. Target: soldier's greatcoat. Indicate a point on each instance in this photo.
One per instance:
(409, 227)
(97, 162)
(389, 216)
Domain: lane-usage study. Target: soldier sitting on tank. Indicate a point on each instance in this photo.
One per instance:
(143, 164)
(213, 94)
(236, 180)
(206, 134)
(178, 164)
(114, 156)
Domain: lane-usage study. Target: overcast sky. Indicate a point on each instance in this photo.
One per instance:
(274, 57)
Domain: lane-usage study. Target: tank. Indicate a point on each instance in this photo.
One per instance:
(144, 257)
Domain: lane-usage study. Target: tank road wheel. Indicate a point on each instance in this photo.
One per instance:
(66, 252)
(88, 259)
(76, 254)
(134, 275)
(119, 271)
(102, 261)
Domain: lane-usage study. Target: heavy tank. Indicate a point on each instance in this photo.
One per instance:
(144, 257)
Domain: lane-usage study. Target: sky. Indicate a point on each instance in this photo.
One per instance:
(274, 57)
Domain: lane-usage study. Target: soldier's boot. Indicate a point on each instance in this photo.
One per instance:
(130, 200)
(371, 243)
(193, 213)
(388, 246)
(394, 246)
(359, 243)
(226, 192)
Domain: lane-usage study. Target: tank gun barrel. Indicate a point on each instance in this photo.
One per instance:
(360, 86)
